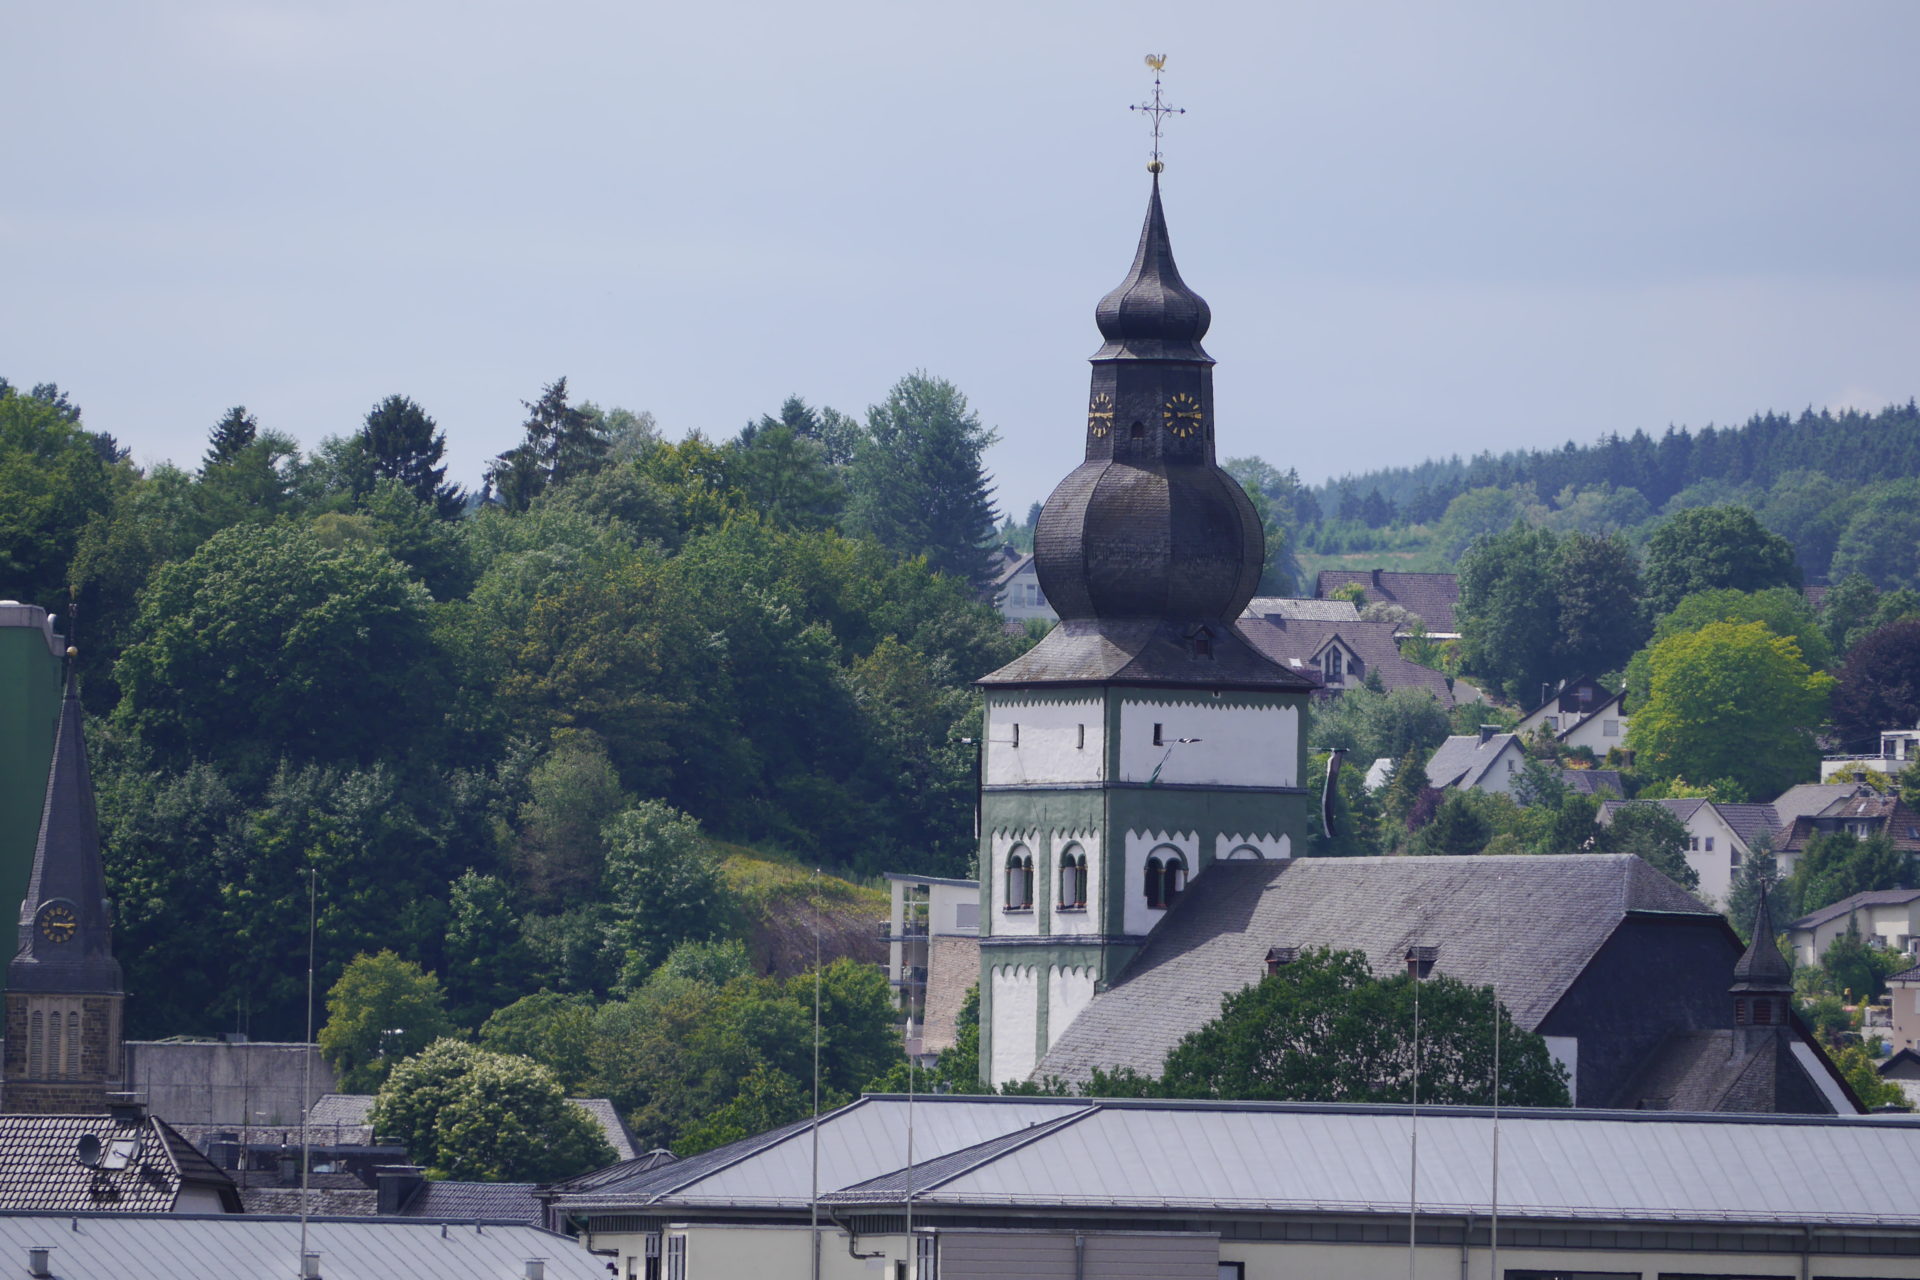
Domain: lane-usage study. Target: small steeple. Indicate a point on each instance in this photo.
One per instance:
(1762, 978)
(1152, 314)
(65, 938)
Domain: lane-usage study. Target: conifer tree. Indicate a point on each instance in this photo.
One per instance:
(401, 443)
(231, 435)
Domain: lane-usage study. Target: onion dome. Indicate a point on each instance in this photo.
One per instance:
(1152, 314)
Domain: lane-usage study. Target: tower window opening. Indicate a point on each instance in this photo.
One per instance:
(1016, 733)
(1157, 739)
(1135, 431)
(1082, 744)
(1165, 879)
(1073, 879)
(1762, 1011)
(1019, 879)
(1203, 643)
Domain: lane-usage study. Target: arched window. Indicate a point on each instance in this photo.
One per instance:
(1019, 879)
(1166, 877)
(1073, 878)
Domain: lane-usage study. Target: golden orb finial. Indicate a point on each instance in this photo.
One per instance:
(73, 651)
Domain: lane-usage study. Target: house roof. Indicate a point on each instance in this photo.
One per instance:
(1011, 563)
(1199, 1158)
(1617, 701)
(1109, 651)
(1863, 804)
(1296, 642)
(168, 1246)
(1430, 596)
(1683, 808)
(353, 1110)
(40, 1170)
(1848, 905)
(1749, 821)
(1463, 760)
(1712, 1070)
(776, 1167)
(1564, 699)
(1807, 799)
(1591, 782)
(1297, 609)
(1526, 925)
(476, 1202)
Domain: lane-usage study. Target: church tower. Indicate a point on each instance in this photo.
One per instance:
(1144, 738)
(63, 998)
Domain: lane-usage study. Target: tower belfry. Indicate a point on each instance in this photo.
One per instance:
(1144, 738)
(64, 994)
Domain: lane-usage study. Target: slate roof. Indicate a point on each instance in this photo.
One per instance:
(1749, 821)
(476, 1202)
(1196, 1159)
(1430, 596)
(169, 1247)
(1591, 782)
(1463, 760)
(1294, 642)
(1087, 651)
(1298, 609)
(1682, 808)
(1712, 1070)
(1526, 925)
(38, 1170)
(1618, 701)
(1847, 906)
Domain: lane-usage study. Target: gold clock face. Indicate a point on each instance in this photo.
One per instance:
(1182, 415)
(1100, 414)
(59, 922)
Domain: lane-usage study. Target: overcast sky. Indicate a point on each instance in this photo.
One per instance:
(1423, 227)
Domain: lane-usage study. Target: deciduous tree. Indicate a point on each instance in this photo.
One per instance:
(1878, 687)
(1709, 548)
(381, 1010)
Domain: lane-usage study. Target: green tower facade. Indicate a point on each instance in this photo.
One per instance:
(30, 670)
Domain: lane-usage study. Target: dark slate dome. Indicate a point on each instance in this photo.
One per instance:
(1152, 314)
(1117, 540)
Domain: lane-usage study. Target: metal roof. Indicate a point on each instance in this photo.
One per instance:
(1290, 1157)
(856, 1141)
(169, 1246)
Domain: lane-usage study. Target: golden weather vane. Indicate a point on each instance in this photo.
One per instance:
(1157, 110)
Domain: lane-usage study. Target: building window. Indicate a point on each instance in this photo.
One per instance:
(1693, 844)
(1233, 1271)
(1073, 878)
(1165, 878)
(1552, 723)
(650, 1267)
(1157, 734)
(1082, 743)
(1335, 666)
(1609, 728)
(1709, 844)
(37, 1047)
(926, 1257)
(1016, 736)
(1203, 643)
(1019, 879)
(676, 1258)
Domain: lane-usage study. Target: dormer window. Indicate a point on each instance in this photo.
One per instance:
(1203, 643)
(1335, 666)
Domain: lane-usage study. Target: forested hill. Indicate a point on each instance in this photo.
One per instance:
(1849, 447)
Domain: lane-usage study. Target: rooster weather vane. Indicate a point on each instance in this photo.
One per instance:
(1157, 110)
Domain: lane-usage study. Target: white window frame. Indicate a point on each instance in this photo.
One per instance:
(676, 1258)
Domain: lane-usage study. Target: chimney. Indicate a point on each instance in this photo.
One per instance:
(1486, 733)
(1279, 957)
(288, 1166)
(536, 1269)
(1376, 579)
(128, 1107)
(40, 1261)
(1420, 961)
(1859, 777)
(1546, 691)
(309, 1266)
(394, 1186)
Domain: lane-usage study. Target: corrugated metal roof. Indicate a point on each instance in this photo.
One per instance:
(856, 1142)
(1292, 1157)
(168, 1246)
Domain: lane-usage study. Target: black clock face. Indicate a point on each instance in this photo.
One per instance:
(58, 921)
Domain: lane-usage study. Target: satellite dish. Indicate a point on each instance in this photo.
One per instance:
(86, 1150)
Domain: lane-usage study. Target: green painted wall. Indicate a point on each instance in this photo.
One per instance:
(29, 713)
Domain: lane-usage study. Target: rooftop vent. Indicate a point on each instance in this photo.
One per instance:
(536, 1269)
(40, 1261)
(309, 1266)
(1279, 957)
(1420, 961)
(1487, 731)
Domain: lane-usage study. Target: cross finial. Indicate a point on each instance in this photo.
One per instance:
(1157, 110)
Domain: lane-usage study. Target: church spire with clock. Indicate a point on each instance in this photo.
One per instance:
(1144, 738)
(64, 1048)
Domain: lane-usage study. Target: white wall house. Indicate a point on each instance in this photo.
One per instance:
(1018, 595)
(1486, 761)
(1600, 732)
(1885, 917)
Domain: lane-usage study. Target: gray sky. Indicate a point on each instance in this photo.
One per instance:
(1423, 228)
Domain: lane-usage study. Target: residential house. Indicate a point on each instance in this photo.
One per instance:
(1563, 706)
(1602, 731)
(1114, 1189)
(1593, 782)
(125, 1161)
(1016, 589)
(1338, 651)
(1898, 749)
(1486, 761)
(1862, 812)
(1720, 837)
(1431, 597)
(933, 954)
(1902, 1068)
(1904, 1034)
(1885, 918)
(1631, 980)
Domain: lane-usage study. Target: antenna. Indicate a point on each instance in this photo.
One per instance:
(306, 1069)
(813, 1198)
(1413, 1160)
(1493, 1227)
(1157, 110)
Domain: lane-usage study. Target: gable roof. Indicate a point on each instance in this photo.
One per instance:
(1011, 563)
(1807, 799)
(1463, 759)
(1862, 805)
(39, 1171)
(1296, 642)
(1526, 925)
(1591, 782)
(1429, 596)
(1618, 702)
(1848, 905)
(1749, 821)
(1297, 609)
(1682, 808)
